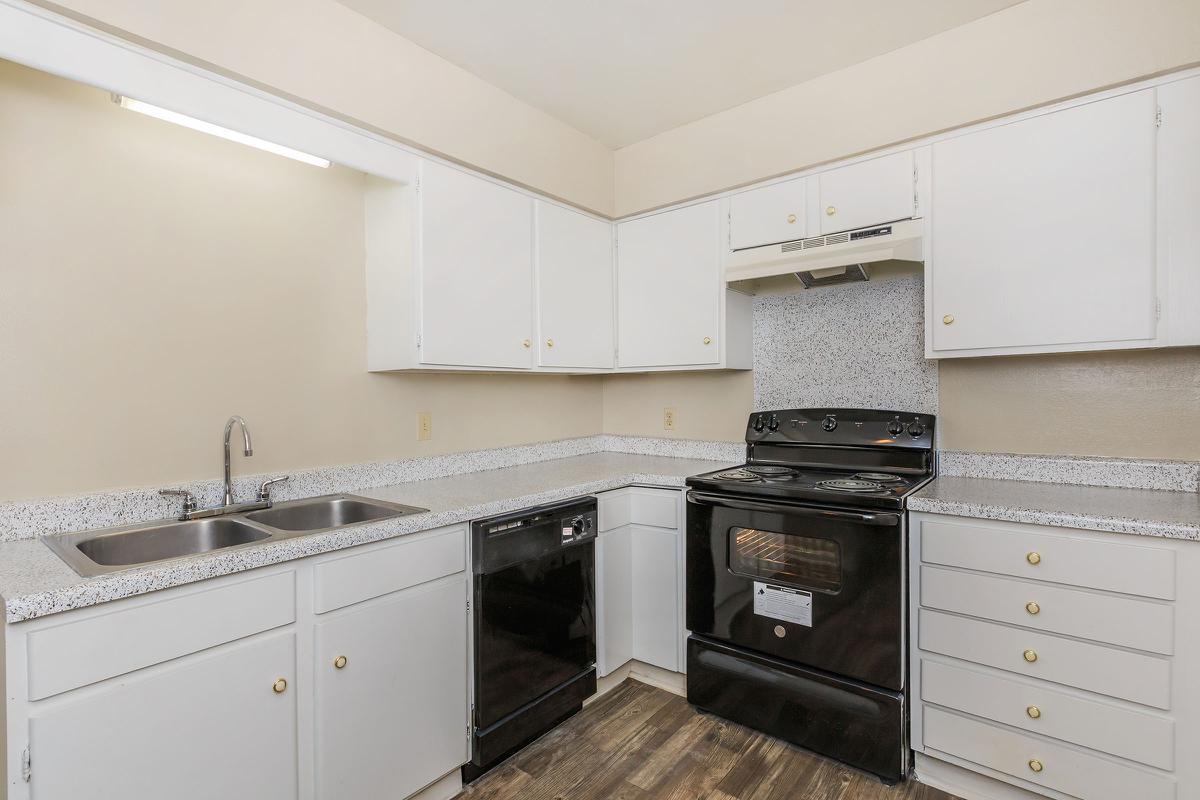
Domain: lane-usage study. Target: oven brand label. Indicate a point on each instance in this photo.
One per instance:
(780, 602)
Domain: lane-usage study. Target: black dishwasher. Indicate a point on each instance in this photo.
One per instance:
(535, 624)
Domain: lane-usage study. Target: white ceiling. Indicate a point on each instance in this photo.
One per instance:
(624, 70)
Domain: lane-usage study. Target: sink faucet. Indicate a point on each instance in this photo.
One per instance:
(247, 450)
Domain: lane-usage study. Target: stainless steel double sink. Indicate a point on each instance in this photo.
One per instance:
(98, 552)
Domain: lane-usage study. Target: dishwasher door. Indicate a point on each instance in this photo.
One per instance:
(534, 608)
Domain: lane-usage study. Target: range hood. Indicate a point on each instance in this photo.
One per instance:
(894, 241)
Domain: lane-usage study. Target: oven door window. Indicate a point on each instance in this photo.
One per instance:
(801, 561)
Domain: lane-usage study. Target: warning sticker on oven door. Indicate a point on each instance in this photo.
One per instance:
(780, 602)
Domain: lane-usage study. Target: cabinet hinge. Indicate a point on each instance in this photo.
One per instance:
(470, 718)
(418, 341)
(916, 194)
(1158, 308)
(26, 766)
(468, 606)
(1158, 116)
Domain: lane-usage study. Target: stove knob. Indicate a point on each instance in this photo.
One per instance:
(916, 429)
(773, 423)
(758, 423)
(895, 427)
(829, 424)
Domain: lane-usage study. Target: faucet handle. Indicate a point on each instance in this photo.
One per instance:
(189, 500)
(264, 491)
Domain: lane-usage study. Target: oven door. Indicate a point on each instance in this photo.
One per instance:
(818, 587)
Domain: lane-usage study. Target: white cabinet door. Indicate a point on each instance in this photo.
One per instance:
(204, 727)
(768, 215)
(1044, 232)
(393, 718)
(575, 289)
(669, 286)
(863, 194)
(1179, 207)
(475, 267)
(614, 599)
(655, 596)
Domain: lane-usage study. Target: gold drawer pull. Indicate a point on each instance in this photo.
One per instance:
(1034, 712)
(1035, 765)
(1034, 557)
(708, 340)
(1032, 607)
(948, 319)
(549, 343)
(1030, 656)
(791, 219)
(525, 343)
(280, 686)
(339, 662)
(830, 211)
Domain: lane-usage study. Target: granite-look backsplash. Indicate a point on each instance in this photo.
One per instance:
(858, 345)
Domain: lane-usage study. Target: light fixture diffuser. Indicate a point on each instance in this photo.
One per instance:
(216, 130)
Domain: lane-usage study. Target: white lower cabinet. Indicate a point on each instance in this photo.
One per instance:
(237, 688)
(209, 726)
(1070, 679)
(390, 705)
(639, 583)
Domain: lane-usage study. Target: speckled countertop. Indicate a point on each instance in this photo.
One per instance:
(35, 583)
(1146, 512)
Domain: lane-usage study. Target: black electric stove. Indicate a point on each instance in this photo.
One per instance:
(796, 581)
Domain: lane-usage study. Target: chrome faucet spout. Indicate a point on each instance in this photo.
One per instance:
(247, 449)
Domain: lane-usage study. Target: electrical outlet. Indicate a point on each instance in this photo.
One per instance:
(424, 426)
(668, 419)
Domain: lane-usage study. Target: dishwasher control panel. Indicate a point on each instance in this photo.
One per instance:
(577, 527)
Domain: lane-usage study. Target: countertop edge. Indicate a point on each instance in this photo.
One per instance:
(1058, 519)
(132, 583)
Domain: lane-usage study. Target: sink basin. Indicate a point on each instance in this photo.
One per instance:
(320, 513)
(97, 552)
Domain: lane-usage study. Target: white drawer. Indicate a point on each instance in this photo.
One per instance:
(658, 508)
(174, 624)
(1063, 768)
(1061, 557)
(1117, 730)
(1097, 668)
(1140, 624)
(377, 570)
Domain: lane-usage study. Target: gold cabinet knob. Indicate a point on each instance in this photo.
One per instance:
(780, 631)
(830, 211)
(1034, 712)
(1032, 607)
(339, 662)
(549, 343)
(1034, 558)
(948, 319)
(707, 340)
(1035, 765)
(526, 343)
(1030, 656)
(791, 219)
(280, 686)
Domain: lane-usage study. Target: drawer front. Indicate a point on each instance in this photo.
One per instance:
(1034, 706)
(1063, 768)
(1060, 558)
(379, 570)
(1124, 621)
(84, 651)
(1130, 676)
(658, 508)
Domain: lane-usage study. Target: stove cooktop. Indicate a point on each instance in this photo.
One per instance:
(834, 487)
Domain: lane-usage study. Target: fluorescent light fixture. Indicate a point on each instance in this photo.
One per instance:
(216, 130)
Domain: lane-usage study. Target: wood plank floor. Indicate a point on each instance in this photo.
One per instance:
(638, 742)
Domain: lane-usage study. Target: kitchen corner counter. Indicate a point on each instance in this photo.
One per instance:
(1145, 512)
(34, 582)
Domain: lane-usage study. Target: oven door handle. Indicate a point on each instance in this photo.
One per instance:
(882, 520)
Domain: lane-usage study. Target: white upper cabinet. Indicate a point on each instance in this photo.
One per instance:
(474, 271)
(768, 215)
(1179, 208)
(669, 288)
(869, 192)
(1043, 233)
(574, 274)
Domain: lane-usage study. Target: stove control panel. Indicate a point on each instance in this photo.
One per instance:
(844, 426)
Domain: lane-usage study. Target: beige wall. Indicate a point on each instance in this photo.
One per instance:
(156, 280)
(1129, 404)
(708, 405)
(325, 55)
(1026, 55)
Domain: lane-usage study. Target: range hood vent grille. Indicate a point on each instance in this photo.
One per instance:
(890, 241)
(816, 241)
